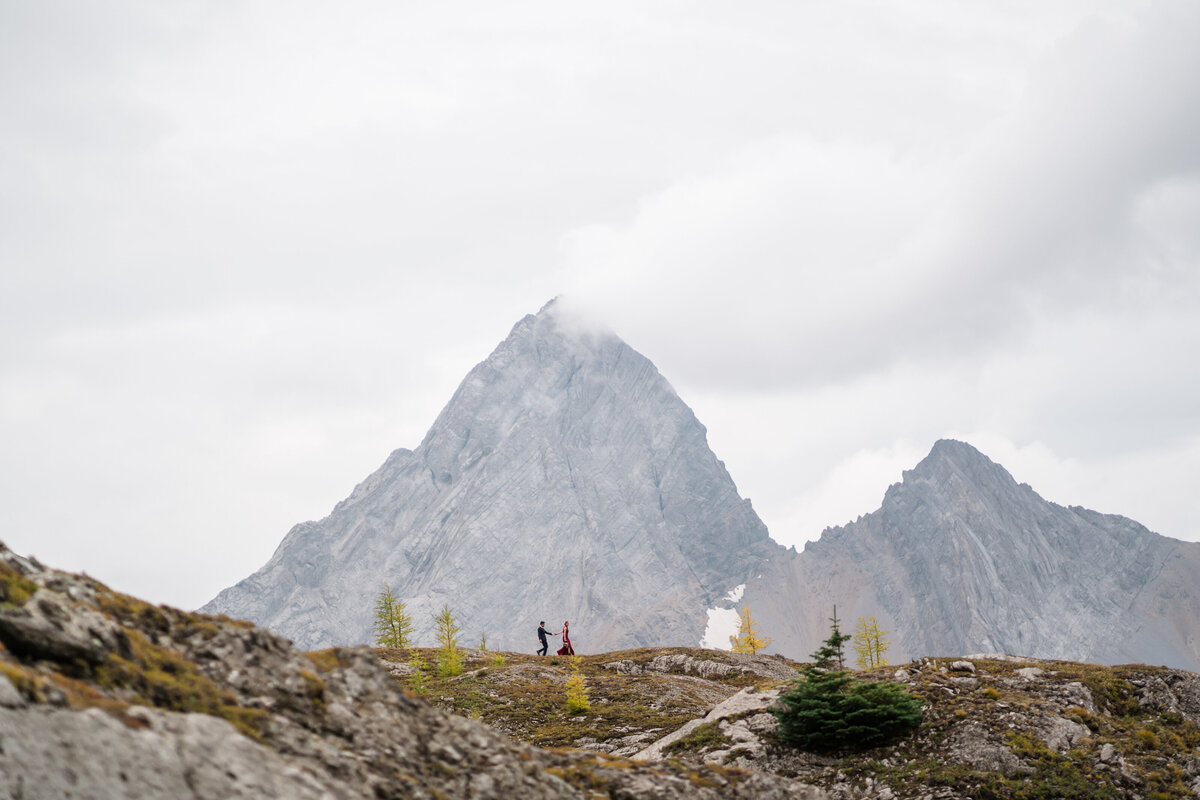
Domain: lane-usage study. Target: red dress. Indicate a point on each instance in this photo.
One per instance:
(566, 649)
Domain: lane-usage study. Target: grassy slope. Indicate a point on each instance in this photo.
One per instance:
(526, 697)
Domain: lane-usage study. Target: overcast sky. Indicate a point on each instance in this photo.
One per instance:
(247, 249)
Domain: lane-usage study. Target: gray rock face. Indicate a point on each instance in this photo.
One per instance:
(746, 664)
(564, 480)
(1061, 734)
(973, 745)
(961, 558)
(1176, 692)
(46, 625)
(747, 700)
(60, 753)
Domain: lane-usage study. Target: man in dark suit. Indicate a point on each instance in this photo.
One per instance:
(542, 633)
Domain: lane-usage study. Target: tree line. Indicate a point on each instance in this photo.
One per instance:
(825, 709)
(394, 628)
(870, 643)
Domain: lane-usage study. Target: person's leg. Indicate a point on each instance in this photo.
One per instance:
(545, 647)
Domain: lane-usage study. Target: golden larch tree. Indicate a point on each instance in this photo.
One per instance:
(749, 638)
(449, 657)
(393, 625)
(870, 644)
(577, 691)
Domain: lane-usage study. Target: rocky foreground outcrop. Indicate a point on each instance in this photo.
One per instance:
(993, 726)
(102, 696)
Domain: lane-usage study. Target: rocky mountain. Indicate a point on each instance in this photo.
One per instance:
(960, 558)
(565, 479)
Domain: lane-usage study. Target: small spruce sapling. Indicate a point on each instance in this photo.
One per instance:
(832, 653)
(416, 677)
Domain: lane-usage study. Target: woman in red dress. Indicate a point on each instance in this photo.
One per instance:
(566, 649)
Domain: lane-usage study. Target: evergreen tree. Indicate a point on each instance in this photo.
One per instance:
(449, 657)
(831, 654)
(870, 644)
(749, 638)
(393, 625)
(829, 710)
(483, 642)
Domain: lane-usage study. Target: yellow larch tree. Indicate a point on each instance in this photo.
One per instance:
(449, 657)
(870, 644)
(393, 625)
(749, 638)
(577, 691)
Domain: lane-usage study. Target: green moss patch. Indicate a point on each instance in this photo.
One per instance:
(26, 681)
(704, 737)
(325, 660)
(15, 588)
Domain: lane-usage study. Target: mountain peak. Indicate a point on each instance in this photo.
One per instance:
(952, 460)
(946, 448)
(955, 452)
(962, 558)
(564, 479)
(557, 329)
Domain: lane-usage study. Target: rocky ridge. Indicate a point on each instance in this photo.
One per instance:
(103, 695)
(961, 558)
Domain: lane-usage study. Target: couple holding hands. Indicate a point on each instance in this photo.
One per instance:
(566, 649)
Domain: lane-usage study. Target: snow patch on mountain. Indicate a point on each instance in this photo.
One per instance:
(723, 622)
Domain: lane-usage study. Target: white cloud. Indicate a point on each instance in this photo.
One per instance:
(786, 250)
(248, 249)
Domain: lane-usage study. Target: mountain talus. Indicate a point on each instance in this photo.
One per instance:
(961, 558)
(565, 479)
